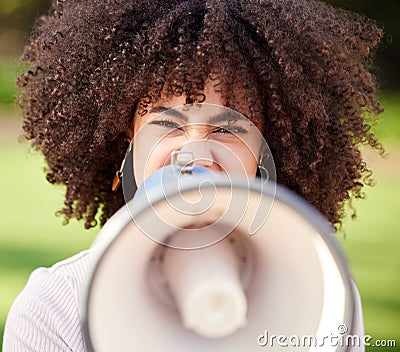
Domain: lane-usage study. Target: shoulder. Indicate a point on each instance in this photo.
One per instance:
(70, 274)
(45, 315)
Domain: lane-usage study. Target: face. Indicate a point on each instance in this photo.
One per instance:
(219, 138)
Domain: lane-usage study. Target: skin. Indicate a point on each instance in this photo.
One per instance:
(222, 146)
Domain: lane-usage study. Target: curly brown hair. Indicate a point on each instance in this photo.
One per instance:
(302, 65)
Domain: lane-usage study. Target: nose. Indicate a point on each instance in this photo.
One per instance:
(201, 150)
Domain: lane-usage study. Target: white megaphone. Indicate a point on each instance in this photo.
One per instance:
(199, 262)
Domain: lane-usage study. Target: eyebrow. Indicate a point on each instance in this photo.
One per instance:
(168, 111)
(226, 115)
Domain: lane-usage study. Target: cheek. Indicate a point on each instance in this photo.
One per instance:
(247, 160)
(160, 156)
(149, 156)
(251, 168)
(236, 157)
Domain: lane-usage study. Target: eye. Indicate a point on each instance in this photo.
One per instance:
(226, 130)
(166, 123)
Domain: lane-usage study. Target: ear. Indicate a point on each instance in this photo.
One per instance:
(130, 131)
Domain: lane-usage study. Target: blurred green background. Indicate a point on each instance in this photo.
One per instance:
(31, 235)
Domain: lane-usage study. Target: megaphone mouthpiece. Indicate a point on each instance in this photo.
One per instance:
(206, 286)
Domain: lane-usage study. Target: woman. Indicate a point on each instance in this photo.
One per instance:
(299, 70)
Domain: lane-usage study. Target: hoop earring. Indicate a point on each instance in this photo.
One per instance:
(120, 173)
(264, 174)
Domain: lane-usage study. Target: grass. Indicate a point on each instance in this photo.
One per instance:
(30, 234)
(8, 74)
(388, 128)
(372, 245)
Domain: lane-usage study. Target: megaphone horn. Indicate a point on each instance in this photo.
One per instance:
(168, 277)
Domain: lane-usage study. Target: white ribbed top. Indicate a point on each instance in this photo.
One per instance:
(45, 315)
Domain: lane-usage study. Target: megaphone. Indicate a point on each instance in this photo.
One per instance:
(190, 263)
